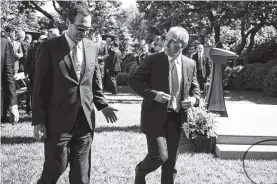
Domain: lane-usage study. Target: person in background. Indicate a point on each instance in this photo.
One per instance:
(167, 82)
(17, 47)
(30, 65)
(28, 39)
(203, 66)
(25, 48)
(155, 45)
(102, 55)
(53, 32)
(65, 94)
(143, 53)
(8, 89)
(113, 66)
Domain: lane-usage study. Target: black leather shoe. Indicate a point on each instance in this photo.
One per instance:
(139, 179)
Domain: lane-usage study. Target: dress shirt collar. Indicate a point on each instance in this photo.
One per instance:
(71, 43)
(178, 59)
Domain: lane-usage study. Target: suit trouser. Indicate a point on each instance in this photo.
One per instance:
(162, 150)
(113, 81)
(74, 148)
(201, 79)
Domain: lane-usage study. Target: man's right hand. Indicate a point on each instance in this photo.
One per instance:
(40, 132)
(162, 97)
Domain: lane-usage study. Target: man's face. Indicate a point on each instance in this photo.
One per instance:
(200, 49)
(78, 30)
(97, 38)
(108, 40)
(12, 35)
(172, 47)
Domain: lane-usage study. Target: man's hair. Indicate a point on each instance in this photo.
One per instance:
(82, 9)
(9, 28)
(28, 36)
(182, 35)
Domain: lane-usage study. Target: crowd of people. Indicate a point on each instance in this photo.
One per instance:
(66, 77)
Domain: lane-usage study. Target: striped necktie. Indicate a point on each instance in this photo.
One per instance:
(175, 86)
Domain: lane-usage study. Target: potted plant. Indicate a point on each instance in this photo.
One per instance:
(202, 129)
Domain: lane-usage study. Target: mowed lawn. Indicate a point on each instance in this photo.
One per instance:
(116, 150)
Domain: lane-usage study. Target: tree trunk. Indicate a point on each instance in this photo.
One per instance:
(251, 43)
(243, 38)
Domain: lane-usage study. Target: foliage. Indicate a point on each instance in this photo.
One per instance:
(16, 14)
(202, 122)
(229, 74)
(270, 82)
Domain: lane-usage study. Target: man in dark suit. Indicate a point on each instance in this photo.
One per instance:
(66, 88)
(17, 47)
(113, 66)
(203, 65)
(168, 84)
(8, 89)
(102, 55)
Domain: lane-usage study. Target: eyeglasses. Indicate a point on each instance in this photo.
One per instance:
(82, 29)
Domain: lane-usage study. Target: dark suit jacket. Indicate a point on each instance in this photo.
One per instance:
(153, 76)
(206, 63)
(57, 93)
(113, 61)
(7, 79)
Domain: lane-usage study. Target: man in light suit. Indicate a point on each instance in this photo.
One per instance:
(203, 66)
(8, 89)
(168, 84)
(66, 88)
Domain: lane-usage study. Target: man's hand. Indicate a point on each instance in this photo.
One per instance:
(40, 132)
(109, 114)
(15, 114)
(188, 102)
(162, 97)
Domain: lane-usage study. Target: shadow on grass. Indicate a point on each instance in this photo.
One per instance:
(135, 128)
(17, 140)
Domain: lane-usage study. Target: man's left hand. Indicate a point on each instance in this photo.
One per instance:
(109, 113)
(188, 102)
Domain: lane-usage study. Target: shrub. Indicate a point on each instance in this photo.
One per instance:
(253, 76)
(270, 82)
(232, 77)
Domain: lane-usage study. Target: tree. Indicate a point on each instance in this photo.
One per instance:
(16, 14)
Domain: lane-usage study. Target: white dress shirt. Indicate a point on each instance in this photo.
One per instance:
(79, 54)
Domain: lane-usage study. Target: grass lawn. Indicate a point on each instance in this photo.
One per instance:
(117, 148)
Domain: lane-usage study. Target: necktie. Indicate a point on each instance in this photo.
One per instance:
(78, 61)
(175, 86)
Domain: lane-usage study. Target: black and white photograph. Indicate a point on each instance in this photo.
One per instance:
(138, 92)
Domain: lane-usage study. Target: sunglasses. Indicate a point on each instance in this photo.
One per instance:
(82, 29)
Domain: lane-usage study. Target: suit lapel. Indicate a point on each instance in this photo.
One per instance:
(66, 64)
(166, 67)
